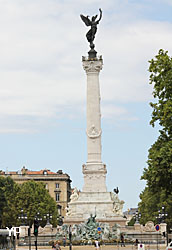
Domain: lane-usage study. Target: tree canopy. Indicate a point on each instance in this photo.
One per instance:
(31, 197)
(161, 78)
(158, 174)
(8, 194)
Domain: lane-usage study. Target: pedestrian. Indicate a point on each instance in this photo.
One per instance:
(64, 241)
(122, 240)
(136, 242)
(53, 246)
(57, 245)
(97, 245)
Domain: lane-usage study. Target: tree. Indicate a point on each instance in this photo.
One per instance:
(33, 198)
(158, 174)
(30, 196)
(8, 192)
(3, 201)
(161, 78)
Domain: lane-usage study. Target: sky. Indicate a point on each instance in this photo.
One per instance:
(43, 86)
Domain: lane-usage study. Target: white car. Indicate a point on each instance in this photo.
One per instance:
(169, 247)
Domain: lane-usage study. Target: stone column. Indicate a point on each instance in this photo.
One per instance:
(94, 171)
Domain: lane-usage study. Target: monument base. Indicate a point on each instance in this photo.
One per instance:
(105, 205)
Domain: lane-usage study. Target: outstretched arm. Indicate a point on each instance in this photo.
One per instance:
(100, 16)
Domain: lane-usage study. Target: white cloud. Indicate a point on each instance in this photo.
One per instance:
(41, 45)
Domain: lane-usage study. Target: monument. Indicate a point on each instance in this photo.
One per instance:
(94, 198)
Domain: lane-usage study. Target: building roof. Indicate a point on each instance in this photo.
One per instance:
(25, 171)
(29, 172)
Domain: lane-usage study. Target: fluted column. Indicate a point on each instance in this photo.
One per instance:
(94, 170)
(92, 69)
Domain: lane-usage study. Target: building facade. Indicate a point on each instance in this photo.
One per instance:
(58, 184)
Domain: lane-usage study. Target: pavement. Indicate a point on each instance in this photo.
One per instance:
(102, 247)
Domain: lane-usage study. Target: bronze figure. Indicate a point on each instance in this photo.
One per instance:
(93, 23)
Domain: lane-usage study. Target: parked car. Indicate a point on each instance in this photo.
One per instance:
(169, 247)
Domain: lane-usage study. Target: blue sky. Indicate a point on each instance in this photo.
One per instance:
(43, 86)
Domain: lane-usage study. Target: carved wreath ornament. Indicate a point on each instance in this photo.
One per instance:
(93, 132)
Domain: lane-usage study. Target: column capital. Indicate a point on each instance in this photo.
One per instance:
(92, 66)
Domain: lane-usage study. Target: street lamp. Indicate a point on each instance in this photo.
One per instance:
(38, 217)
(37, 220)
(59, 220)
(70, 237)
(24, 219)
(163, 215)
(137, 217)
(161, 219)
(48, 217)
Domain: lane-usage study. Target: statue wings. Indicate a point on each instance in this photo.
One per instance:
(86, 20)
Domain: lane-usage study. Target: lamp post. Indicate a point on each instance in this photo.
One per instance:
(60, 220)
(137, 217)
(161, 219)
(24, 219)
(48, 217)
(37, 220)
(70, 237)
(162, 215)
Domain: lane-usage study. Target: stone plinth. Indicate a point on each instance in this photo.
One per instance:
(163, 227)
(137, 226)
(99, 203)
(24, 231)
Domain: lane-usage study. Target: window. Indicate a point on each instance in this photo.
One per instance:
(46, 186)
(57, 196)
(59, 209)
(57, 185)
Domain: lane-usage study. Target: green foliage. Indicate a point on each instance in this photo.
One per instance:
(148, 206)
(33, 197)
(158, 174)
(8, 193)
(30, 196)
(161, 78)
(132, 222)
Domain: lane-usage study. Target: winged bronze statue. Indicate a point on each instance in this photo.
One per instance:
(116, 190)
(93, 23)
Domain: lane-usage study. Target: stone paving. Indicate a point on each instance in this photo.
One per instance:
(107, 247)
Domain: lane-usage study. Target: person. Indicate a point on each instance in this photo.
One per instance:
(97, 244)
(136, 242)
(57, 245)
(122, 240)
(53, 246)
(64, 241)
